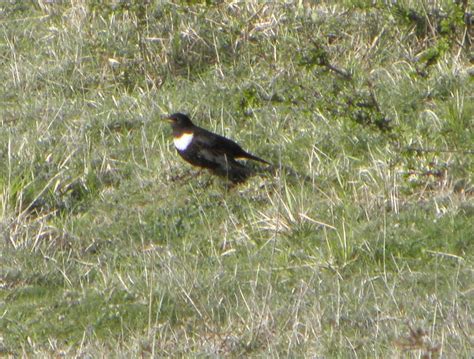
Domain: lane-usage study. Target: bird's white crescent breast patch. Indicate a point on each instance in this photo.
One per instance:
(182, 142)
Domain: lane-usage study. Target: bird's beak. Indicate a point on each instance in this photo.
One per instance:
(167, 118)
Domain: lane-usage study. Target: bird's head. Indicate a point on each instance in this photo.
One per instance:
(179, 120)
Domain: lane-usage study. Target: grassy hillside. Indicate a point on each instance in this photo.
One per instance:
(359, 244)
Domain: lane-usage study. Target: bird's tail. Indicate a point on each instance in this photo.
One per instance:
(255, 158)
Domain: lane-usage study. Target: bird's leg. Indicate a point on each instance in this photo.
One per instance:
(227, 168)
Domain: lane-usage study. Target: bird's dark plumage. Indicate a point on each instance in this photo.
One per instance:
(205, 149)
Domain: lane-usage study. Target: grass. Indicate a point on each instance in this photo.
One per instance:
(359, 245)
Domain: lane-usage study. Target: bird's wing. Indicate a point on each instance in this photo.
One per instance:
(220, 146)
(218, 143)
(206, 151)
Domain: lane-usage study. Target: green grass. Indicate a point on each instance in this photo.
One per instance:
(360, 244)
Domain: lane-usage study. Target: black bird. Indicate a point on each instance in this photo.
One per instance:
(205, 149)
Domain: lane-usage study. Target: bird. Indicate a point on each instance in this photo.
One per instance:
(206, 149)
